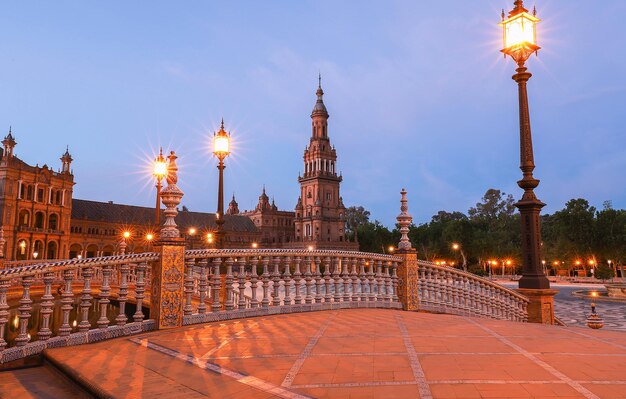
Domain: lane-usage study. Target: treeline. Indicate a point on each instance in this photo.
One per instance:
(577, 237)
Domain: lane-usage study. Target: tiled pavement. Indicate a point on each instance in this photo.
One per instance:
(361, 353)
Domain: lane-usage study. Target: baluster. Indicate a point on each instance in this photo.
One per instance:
(203, 284)
(67, 298)
(230, 303)
(337, 278)
(363, 281)
(4, 311)
(140, 289)
(287, 281)
(242, 283)
(265, 302)
(355, 280)
(26, 306)
(318, 280)
(254, 279)
(394, 279)
(216, 306)
(123, 294)
(85, 300)
(430, 289)
(456, 290)
(46, 308)
(465, 290)
(188, 287)
(105, 288)
(427, 274)
(483, 295)
(345, 276)
(328, 296)
(308, 280)
(370, 278)
(380, 287)
(276, 282)
(446, 297)
(387, 278)
(297, 275)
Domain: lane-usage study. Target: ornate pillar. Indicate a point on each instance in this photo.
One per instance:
(408, 269)
(166, 301)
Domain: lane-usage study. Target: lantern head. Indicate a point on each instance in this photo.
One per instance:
(519, 33)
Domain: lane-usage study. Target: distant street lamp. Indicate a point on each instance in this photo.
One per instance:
(221, 149)
(520, 41)
(457, 247)
(159, 172)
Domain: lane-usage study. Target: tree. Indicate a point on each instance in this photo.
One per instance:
(603, 272)
(494, 205)
(356, 216)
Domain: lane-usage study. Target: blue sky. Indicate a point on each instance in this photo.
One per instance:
(418, 93)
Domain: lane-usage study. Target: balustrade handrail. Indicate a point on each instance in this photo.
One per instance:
(31, 270)
(473, 277)
(217, 253)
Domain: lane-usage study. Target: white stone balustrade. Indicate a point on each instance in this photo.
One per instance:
(75, 298)
(443, 289)
(74, 288)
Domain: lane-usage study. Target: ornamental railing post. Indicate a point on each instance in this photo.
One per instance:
(168, 273)
(408, 269)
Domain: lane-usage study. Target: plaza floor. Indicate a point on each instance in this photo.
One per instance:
(362, 353)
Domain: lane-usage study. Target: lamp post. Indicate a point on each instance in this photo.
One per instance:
(519, 36)
(159, 172)
(221, 149)
(457, 247)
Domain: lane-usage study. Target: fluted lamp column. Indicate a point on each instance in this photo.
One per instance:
(221, 149)
(520, 42)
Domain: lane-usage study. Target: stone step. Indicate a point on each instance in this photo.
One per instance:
(43, 381)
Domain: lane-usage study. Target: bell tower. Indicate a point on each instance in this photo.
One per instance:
(66, 162)
(320, 213)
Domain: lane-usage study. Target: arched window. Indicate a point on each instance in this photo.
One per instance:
(38, 250)
(108, 250)
(21, 250)
(75, 250)
(53, 221)
(39, 220)
(24, 219)
(51, 253)
(92, 251)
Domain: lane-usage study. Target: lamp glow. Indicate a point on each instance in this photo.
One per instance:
(160, 166)
(519, 33)
(221, 143)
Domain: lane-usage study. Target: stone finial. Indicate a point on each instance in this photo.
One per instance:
(171, 197)
(123, 246)
(404, 220)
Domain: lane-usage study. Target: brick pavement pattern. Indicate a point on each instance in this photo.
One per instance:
(359, 353)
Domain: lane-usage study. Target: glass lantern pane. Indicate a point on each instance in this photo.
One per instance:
(221, 144)
(160, 169)
(519, 30)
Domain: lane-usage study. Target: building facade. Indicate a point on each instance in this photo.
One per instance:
(35, 206)
(39, 218)
(276, 227)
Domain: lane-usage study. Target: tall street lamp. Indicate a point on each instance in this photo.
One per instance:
(159, 172)
(520, 41)
(221, 149)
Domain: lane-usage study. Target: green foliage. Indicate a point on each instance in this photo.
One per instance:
(603, 272)
(491, 231)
